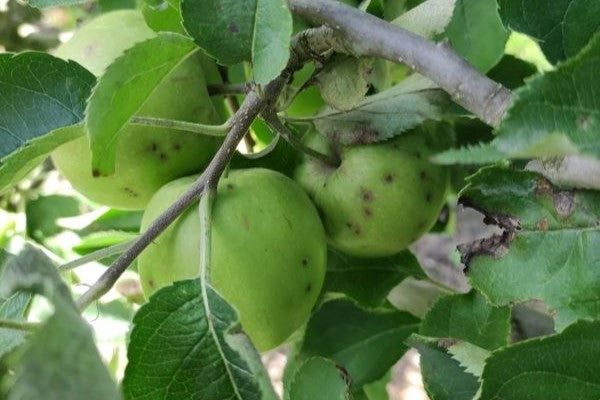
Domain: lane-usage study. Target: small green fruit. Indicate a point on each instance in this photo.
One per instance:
(381, 198)
(268, 250)
(146, 157)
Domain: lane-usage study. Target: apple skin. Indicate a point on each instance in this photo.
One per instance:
(268, 250)
(147, 157)
(381, 198)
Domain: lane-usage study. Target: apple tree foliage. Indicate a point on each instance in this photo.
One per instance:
(527, 328)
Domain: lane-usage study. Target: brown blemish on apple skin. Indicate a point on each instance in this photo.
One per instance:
(288, 222)
(151, 283)
(177, 146)
(153, 147)
(388, 178)
(130, 192)
(229, 186)
(304, 262)
(368, 212)
(95, 173)
(429, 197)
(367, 195)
(308, 287)
(354, 227)
(163, 156)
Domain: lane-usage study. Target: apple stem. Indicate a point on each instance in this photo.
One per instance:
(97, 255)
(205, 210)
(209, 130)
(18, 325)
(275, 123)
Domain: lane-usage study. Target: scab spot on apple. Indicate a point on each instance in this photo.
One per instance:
(177, 147)
(368, 212)
(388, 177)
(151, 283)
(229, 186)
(163, 156)
(429, 197)
(308, 287)
(153, 147)
(367, 195)
(305, 262)
(130, 192)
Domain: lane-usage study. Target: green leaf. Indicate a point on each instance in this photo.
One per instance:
(344, 82)
(115, 220)
(378, 389)
(416, 296)
(554, 114)
(43, 212)
(124, 88)
(563, 29)
(163, 17)
(384, 115)
(59, 361)
(13, 307)
(99, 240)
(39, 94)
(476, 32)
(443, 377)
(468, 317)
(208, 358)
(53, 3)
(559, 367)
(367, 343)
(317, 378)
(511, 72)
(369, 281)
(428, 19)
(551, 257)
(254, 30)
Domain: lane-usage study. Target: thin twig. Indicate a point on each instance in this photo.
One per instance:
(209, 130)
(225, 89)
(275, 123)
(96, 255)
(18, 325)
(362, 34)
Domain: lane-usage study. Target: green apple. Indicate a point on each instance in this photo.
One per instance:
(381, 197)
(268, 254)
(147, 157)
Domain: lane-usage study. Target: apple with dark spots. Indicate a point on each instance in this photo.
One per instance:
(268, 254)
(381, 197)
(146, 157)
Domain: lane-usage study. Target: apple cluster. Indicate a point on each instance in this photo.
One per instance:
(269, 233)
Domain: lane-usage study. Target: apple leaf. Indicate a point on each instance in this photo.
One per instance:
(549, 249)
(366, 343)
(385, 114)
(562, 29)
(39, 94)
(554, 114)
(14, 308)
(476, 32)
(209, 356)
(468, 317)
(344, 82)
(559, 367)
(443, 377)
(428, 19)
(165, 17)
(317, 378)
(369, 280)
(59, 360)
(232, 31)
(124, 88)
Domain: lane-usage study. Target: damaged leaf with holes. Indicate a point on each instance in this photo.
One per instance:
(548, 250)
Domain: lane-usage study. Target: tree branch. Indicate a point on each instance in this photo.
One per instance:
(362, 34)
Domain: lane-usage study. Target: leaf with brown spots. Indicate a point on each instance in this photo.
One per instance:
(549, 248)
